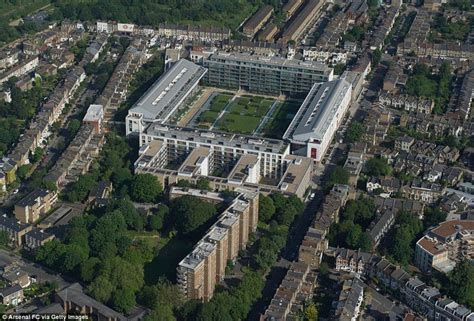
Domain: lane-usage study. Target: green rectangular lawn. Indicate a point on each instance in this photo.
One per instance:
(239, 123)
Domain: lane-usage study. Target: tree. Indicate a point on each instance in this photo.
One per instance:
(377, 167)
(158, 219)
(339, 175)
(461, 283)
(90, 269)
(4, 238)
(353, 236)
(73, 127)
(365, 242)
(37, 155)
(360, 211)
(191, 213)
(373, 3)
(23, 171)
(101, 289)
(401, 246)
(81, 188)
(266, 209)
(310, 312)
(50, 253)
(376, 56)
(165, 313)
(203, 183)
(164, 293)
(73, 256)
(339, 69)
(433, 216)
(124, 299)
(355, 132)
(145, 188)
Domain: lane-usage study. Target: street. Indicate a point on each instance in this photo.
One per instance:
(33, 270)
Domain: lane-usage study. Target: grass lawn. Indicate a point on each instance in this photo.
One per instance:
(281, 119)
(170, 253)
(208, 117)
(251, 107)
(239, 123)
(217, 104)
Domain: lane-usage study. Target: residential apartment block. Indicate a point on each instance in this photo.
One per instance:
(319, 117)
(35, 204)
(16, 230)
(203, 268)
(445, 245)
(244, 160)
(169, 93)
(270, 75)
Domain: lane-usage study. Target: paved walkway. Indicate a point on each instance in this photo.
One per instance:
(196, 107)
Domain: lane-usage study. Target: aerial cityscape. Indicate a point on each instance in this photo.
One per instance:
(221, 160)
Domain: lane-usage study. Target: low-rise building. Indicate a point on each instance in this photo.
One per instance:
(36, 238)
(389, 185)
(319, 117)
(350, 300)
(294, 290)
(75, 301)
(404, 143)
(257, 21)
(16, 230)
(352, 261)
(94, 117)
(422, 191)
(15, 275)
(429, 302)
(35, 204)
(381, 225)
(12, 295)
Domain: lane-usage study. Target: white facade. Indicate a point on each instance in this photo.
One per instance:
(270, 154)
(125, 27)
(21, 70)
(165, 96)
(326, 56)
(103, 27)
(320, 116)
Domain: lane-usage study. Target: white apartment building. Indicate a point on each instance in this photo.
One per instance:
(319, 117)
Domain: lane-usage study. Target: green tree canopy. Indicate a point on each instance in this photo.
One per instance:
(266, 209)
(461, 283)
(355, 132)
(191, 213)
(339, 175)
(377, 167)
(145, 188)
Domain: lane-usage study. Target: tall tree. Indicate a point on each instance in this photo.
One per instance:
(191, 213)
(461, 283)
(266, 209)
(145, 188)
